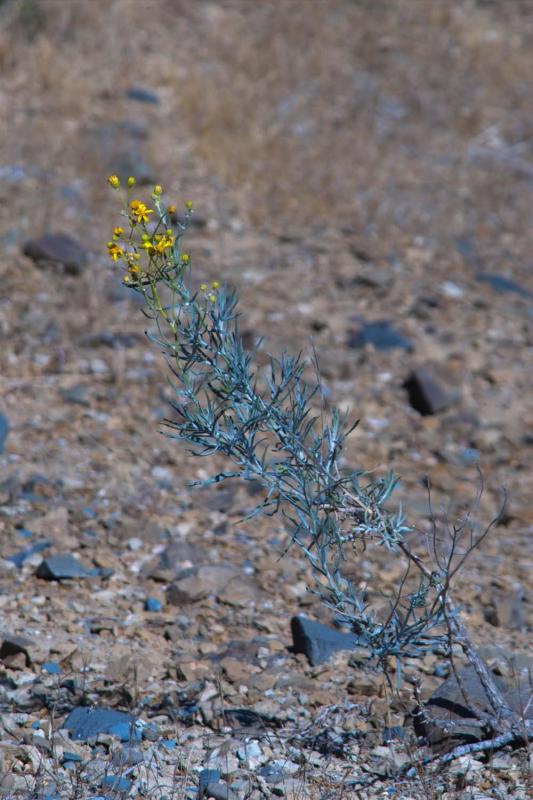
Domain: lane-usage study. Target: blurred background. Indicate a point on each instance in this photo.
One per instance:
(361, 170)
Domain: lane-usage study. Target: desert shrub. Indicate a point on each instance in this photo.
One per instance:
(270, 426)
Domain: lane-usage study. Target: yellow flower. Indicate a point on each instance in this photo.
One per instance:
(188, 205)
(185, 258)
(131, 181)
(216, 284)
(115, 251)
(203, 287)
(139, 211)
(164, 243)
(114, 181)
(171, 209)
(133, 269)
(212, 297)
(126, 278)
(118, 231)
(158, 189)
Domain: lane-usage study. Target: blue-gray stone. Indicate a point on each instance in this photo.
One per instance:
(271, 773)
(76, 395)
(61, 567)
(71, 757)
(317, 641)
(127, 757)
(381, 334)
(169, 744)
(206, 777)
(395, 733)
(152, 604)
(52, 668)
(142, 95)
(4, 430)
(502, 284)
(19, 558)
(217, 790)
(85, 723)
(117, 783)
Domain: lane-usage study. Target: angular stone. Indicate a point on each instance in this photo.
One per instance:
(502, 284)
(427, 394)
(76, 395)
(143, 95)
(59, 248)
(202, 582)
(206, 777)
(317, 641)
(12, 646)
(21, 556)
(444, 720)
(61, 567)
(4, 430)
(86, 723)
(217, 790)
(381, 335)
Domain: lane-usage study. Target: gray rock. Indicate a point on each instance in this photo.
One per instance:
(427, 394)
(61, 567)
(76, 395)
(502, 284)
(218, 791)
(206, 777)
(142, 95)
(381, 335)
(317, 641)
(13, 645)
(444, 720)
(21, 556)
(86, 723)
(59, 248)
(4, 430)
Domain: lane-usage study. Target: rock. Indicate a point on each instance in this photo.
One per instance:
(59, 248)
(502, 284)
(51, 667)
(381, 335)
(76, 395)
(21, 556)
(12, 646)
(272, 773)
(142, 95)
(4, 430)
(53, 524)
(427, 394)
(449, 705)
(61, 567)
(153, 604)
(206, 777)
(201, 582)
(396, 733)
(217, 791)
(117, 783)
(86, 723)
(317, 641)
(127, 757)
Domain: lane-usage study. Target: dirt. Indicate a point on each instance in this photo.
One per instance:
(349, 163)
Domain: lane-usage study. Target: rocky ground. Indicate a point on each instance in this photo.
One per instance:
(363, 175)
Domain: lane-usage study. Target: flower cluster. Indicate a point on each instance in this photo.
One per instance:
(147, 244)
